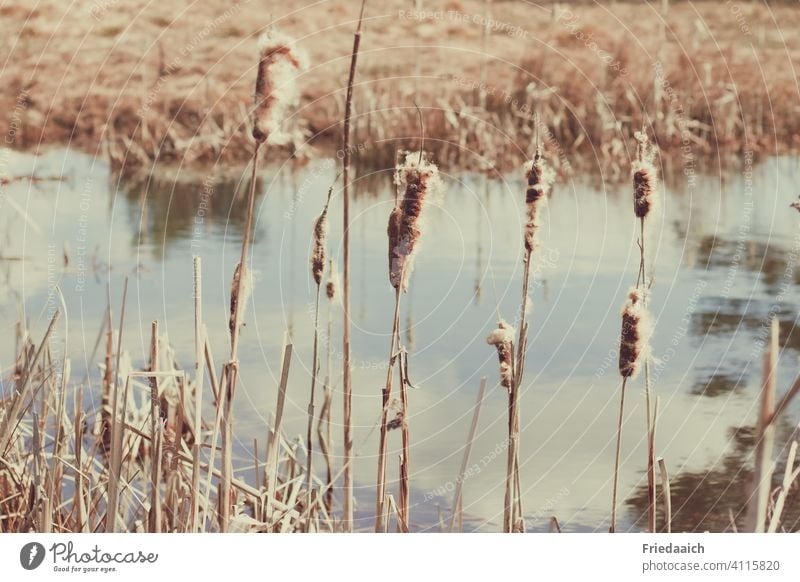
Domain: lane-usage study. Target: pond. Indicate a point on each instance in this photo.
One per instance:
(723, 250)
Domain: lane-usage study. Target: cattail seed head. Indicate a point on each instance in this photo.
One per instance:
(540, 178)
(419, 180)
(645, 177)
(634, 344)
(320, 242)
(332, 287)
(502, 338)
(396, 259)
(276, 89)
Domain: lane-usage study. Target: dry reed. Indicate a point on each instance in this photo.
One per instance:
(419, 179)
(347, 517)
(645, 202)
(318, 254)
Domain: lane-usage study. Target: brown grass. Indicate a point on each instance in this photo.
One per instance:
(195, 101)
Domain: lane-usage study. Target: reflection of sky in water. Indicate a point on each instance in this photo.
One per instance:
(719, 266)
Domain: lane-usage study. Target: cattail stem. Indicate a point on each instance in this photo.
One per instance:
(347, 517)
(324, 423)
(405, 493)
(514, 396)
(309, 440)
(511, 466)
(155, 435)
(387, 394)
(231, 374)
(243, 274)
(641, 282)
(613, 527)
(457, 503)
(198, 382)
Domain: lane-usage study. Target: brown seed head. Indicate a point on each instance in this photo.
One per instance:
(320, 242)
(276, 90)
(420, 180)
(332, 287)
(645, 177)
(540, 178)
(634, 345)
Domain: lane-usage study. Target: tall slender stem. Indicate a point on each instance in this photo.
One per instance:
(613, 527)
(309, 440)
(512, 517)
(347, 517)
(387, 394)
(641, 281)
(231, 374)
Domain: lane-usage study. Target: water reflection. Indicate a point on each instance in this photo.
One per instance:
(468, 271)
(715, 499)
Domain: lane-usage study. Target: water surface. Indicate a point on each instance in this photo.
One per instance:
(723, 252)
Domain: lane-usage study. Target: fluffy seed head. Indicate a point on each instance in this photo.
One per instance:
(502, 338)
(332, 287)
(420, 180)
(645, 177)
(276, 90)
(634, 344)
(320, 242)
(540, 178)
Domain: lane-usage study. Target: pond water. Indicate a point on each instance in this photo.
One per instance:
(723, 250)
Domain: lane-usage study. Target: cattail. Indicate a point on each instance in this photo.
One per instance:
(236, 299)
(396, 259)
(645, 177)
(320, 240)
(276, 89)
(540, 178)
(332, 287)
(502, 338)
(635, 338)
(420, 179)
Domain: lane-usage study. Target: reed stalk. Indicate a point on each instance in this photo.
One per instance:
(199, 376)
(155, 435)
(645, 198)
(274, 445)
(617, 450)
(386, 395)
(347, 517)
(761, 481)
(665, 491)
(457, 502)
(324, 434)
(117, 428)
(317, 272)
